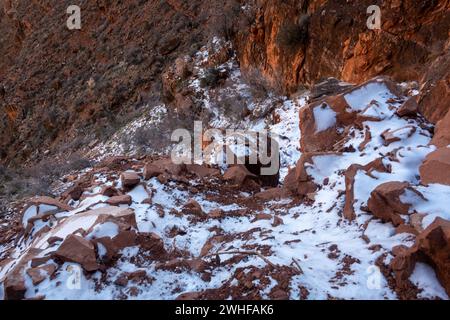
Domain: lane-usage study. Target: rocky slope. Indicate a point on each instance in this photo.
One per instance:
(361, 207)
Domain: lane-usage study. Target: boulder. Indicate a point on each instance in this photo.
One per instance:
(166, 165)
(384, 202)
(436, 167)
(118, 200)
(78, 250)
(41, 273)
(14, 288)
(441, 136)
(238, 174)
(109, 191)
(151, 171)
(130, 179)
(194, 208)
(272, 194)
(74, 192)
(434, 243)
(409, 108)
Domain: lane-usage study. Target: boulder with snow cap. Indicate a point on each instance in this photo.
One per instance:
(385, 202)
(51, 202)
(323, 123)
(436, 167)
(298, 182)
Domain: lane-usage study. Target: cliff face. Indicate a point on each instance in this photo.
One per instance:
(295, 43)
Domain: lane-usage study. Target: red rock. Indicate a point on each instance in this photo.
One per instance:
(262, 216)
(277, 221)
(436, 167)
(151, 171)
(41, 273)
(51, 202)
(78, 250)
(409, 108)
(350, 173)
(15, 288)
(405, 228)
(216, 214)
(193, 207)
(118, 200)
(441, 136)
(75, 192)
(390, 136)
(238, 174)
(202, 171)
(403, 265)
(434, 243)
(384, 202)
(130, 179)
(272, 194)
(415, 220)
(431, 246)
(166, 165)
(189, 296)
(151, 242)
(109, 191)
(316, 139)
(298, 182)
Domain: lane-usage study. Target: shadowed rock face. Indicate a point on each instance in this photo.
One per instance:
(57, 84)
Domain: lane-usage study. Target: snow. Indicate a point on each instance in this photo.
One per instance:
(360, 99)
(107, 229)
(424, 277)
(325, 118)
(30, 212)
(434, 205)
(138, 194)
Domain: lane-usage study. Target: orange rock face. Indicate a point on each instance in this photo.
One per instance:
(336, 42)
(442, 132)
(436, 167)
